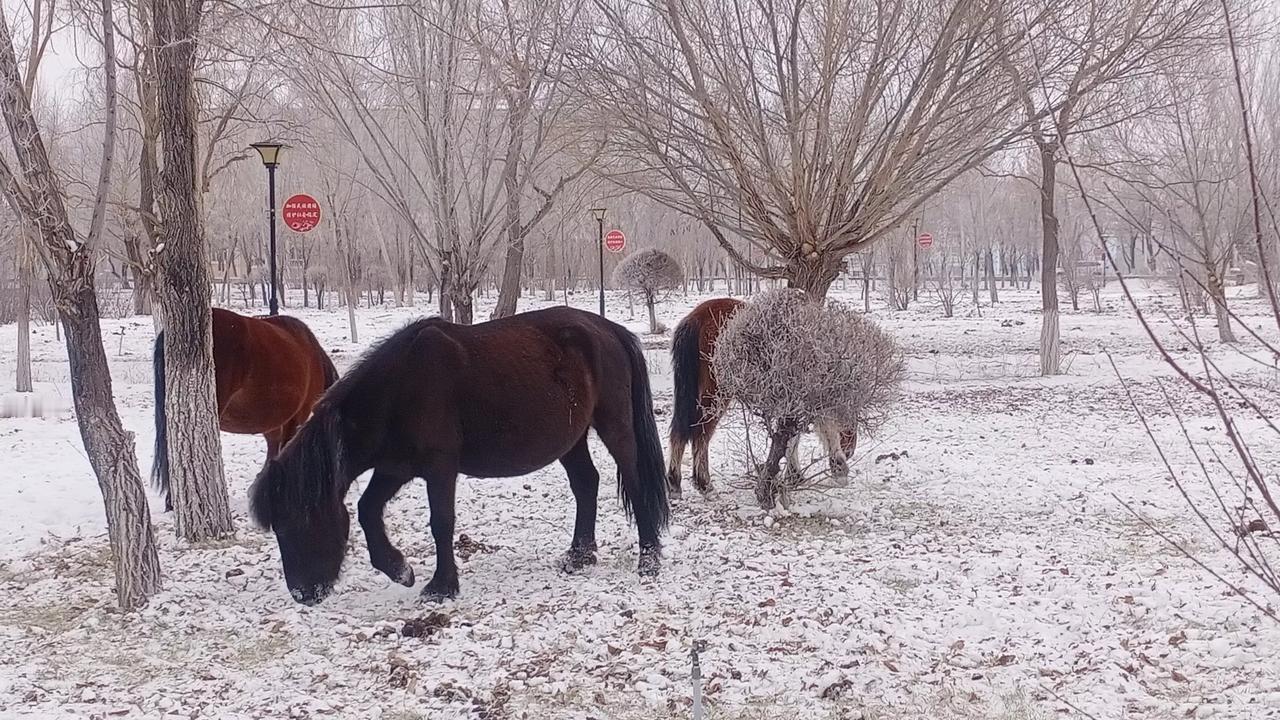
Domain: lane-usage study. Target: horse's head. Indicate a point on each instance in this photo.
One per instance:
(297, 496)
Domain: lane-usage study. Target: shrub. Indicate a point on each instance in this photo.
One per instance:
(792, 360)
(651, 273)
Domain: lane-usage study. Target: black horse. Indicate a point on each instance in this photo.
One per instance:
(499, 399)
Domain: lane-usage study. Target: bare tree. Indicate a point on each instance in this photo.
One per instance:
(40, 32)
(68, 260)
(1079, 74)
(812, 130)
(521, 47)
(1231, 494)
(199, 493)
(649, 272)
(1201, 180)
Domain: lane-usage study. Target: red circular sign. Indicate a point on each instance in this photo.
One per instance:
(615, 240)
(301, 213)
(925, 240)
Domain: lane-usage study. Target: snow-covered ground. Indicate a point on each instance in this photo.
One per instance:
(989, 571)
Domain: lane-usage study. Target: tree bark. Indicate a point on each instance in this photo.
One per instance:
(813, 276)
(991, 277)
(509, 292)
(1050, 349)
(977, 278)
(199, 492)
(26, 271)
(69, 265)
(111, 454)
(1218, 294)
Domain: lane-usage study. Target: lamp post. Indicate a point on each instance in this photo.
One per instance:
(599, 215)
(270, 153)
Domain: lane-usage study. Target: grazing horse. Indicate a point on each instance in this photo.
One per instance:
(697, 411)
(269, 372)
(499, 399)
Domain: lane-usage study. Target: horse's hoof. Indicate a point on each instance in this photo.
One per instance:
(650, 562)
(675, 493)
(576, 559)
(405, 576)
(437, 591)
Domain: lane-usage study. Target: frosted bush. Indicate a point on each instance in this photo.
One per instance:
(793, 362)
(651, 274)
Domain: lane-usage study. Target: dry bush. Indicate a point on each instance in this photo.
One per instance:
(650, 273)
(792, 361)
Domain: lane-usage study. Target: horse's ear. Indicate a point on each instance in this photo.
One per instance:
(260, 494)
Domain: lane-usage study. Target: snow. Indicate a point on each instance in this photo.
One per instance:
(990, 572)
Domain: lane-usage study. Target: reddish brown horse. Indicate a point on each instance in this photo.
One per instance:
(270, 371)
(696, 411)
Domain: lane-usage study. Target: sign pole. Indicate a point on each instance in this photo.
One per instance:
(273, 305)
(600, 224)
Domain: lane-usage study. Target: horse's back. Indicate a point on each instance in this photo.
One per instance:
(508, 396)
(270, 370)
(712, 315)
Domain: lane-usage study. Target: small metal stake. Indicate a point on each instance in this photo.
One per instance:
(696, 678)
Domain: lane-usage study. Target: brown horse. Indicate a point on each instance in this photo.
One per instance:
(270, 371)
(435, 400)
(696, 411)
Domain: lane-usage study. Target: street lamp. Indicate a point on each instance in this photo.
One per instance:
(270, 153)
(599, 215)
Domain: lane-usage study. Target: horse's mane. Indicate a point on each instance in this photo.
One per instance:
(311, 471)
(374, 361)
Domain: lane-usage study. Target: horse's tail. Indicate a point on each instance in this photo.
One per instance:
(686, 355)
(330, 371)
(647, 501)
(160, 465)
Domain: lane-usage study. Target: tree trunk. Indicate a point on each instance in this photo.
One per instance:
(991, 277)
(463, 310)
(69, 266)
(1218, 294)
(351, 311)
(767, 483)
(446, 289)
(977, 278)
(199, 492)
(813, 276)
(111, 454)
(653, 318)
(509, 291)
(26, 271)
(1050, 350)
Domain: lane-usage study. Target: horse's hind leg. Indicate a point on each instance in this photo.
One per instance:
(833, 441)
(382, 554)
(675, 459)
(621, 442)
(273, 445)
(584, 480)
(702, 454)
(442, 486)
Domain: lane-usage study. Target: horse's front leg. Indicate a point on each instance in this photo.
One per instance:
(382, 554)
(442, 485)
